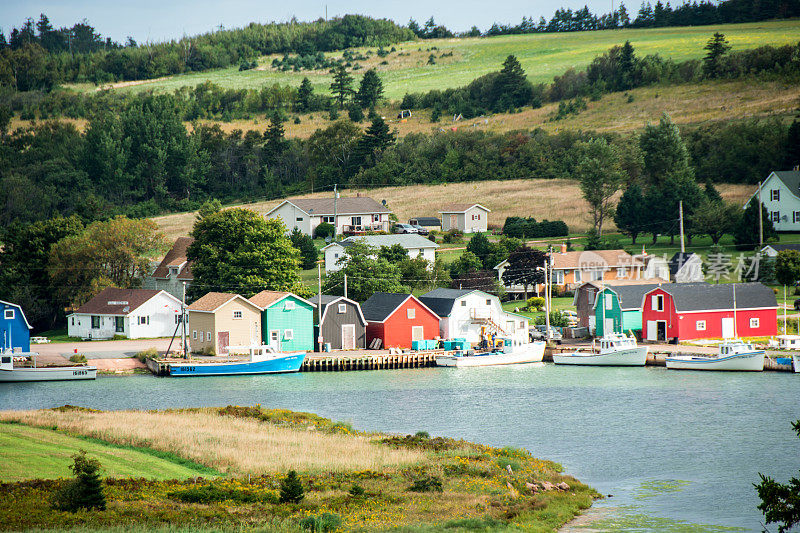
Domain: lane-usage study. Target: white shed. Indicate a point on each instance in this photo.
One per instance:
(469, 218)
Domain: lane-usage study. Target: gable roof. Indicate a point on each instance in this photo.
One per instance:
(381, 305)
(679, 260)
(790, 178)
(113, 301)
(441, 301)
(406, 240)
(629, 296)
(212, 301)
(327, 300)
(426, 221)
(592, 259)
(20, 312)
(176, 257)
(782, 247)
(344, 206)
(461, 208)
(265, 299)
(707, 297)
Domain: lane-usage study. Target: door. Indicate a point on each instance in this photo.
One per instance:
(417, 333)
(223, 340)
(727, 327)
(453, 221)
(348, 336)
(652, 330)
(662, 330)
(608, 326)
(275, 339)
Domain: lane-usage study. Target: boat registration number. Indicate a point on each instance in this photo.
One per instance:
(187, 369)
(79, 373)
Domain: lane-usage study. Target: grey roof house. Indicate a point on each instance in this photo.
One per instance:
(340, 322)
(686, 267)
(414, 244)
(354, 215)
(780, 194)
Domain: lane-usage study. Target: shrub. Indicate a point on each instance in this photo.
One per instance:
(291, 490)
(324, 230)
(355, 113)
(453, 235)
(211, 493)
(535, 303)
(322, 523)
(148, 353)
(83, 492)
(426, 484)
(422, 435)
(78, 358)
(356, 490)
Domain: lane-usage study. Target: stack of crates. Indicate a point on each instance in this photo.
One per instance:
(423, 345)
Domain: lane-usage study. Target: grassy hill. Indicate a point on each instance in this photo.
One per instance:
(540, 198)
(542, 56)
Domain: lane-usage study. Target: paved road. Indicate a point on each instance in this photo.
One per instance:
(102, 349)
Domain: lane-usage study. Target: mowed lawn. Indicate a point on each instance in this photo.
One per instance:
(542, 56)
(29, 452)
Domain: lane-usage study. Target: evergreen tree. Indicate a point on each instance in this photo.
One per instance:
(793, 145)
(479, 245)
(414, 27)
(304, 94)
(631, 214)
(746, 234)
(342, 85)
(623, 17)
(717, 47)
(513, 87)
(274, 136)
(291, 488)
(305, 244)
(86, 490)
(627, 66)
(370, 89)
(374, 141)
(664, 153)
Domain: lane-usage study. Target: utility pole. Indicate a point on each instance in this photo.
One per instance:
(183, 322)
(680, 212)
(345, 285)
(319, 305)
(335, 215)
(760, 220)
(547, 300)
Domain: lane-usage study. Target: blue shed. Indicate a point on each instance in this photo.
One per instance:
(14, 328)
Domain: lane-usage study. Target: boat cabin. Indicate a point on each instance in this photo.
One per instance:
(616, 342)
(736, 347)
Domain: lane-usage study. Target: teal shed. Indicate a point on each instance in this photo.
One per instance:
(618, 309)
(287, 321)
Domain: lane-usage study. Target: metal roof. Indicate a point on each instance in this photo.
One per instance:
(343, 206)
(707, 297)
(406, 240)
(113, 301)
(381, 305)
(441, 301)
(629, 296)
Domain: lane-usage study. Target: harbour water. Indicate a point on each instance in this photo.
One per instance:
(679, 451)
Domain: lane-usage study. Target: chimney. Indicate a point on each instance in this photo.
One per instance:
(563, 247)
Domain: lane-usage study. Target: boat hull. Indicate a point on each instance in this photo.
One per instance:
(628, 357)
(528, 353)
(290, 362)
(796, 363)
(742, 362)
(68, 373)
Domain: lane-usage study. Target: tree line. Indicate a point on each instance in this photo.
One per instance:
(38, 57)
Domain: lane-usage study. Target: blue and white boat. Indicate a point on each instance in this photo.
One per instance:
(262, 360)
(732, 355)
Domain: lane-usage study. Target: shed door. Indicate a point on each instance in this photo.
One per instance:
(652, 330)
(223, 340)
(453, 221)
(275, 339)
(727, 327)
(417, 333)
(348, 336)
(608, 326)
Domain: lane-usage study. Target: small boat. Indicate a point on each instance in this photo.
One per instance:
(616, 349)
(10, 373)
(262, 360)
(511, 353)
(796, 363)
(732, 355)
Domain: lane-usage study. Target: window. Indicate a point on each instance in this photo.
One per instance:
(796, 217)
(558, 277)
(329, 220)
(119, 324)
(336, 256)
(577, 276)
(488, 301)
(658, 302)
(776, 216)
(299, 219)
(775, 195)
(208, 336)
(9, 314)
(376, 218)
(590, 297)
(700, 325)
(194, 335)
(73, 321)
(178, 319)
(289, 305)
(411, 313)
(95, 322)
(173, 270)
(237, 315)
(609, 302)
(144, 320)
(754, 322)
(288, 334)
(596, 275)
(463, 303)
(522, 323)
(355, 221)
(342, 308)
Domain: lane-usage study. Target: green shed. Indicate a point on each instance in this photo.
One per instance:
(287, 321)
(618, 309)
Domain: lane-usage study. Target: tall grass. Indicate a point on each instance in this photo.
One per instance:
(231, 445)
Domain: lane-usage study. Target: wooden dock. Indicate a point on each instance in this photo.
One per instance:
(339, 362)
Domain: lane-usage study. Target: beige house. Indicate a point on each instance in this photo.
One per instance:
(469, 218)
(219, 320)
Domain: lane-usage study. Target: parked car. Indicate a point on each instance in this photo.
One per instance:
(404, 228)
(555, 335)
(420, 229)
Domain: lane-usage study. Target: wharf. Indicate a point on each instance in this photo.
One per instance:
(318, 362)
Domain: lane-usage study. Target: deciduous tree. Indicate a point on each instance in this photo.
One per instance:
(600, 176)
(630, 216)
(366, 274)
(787, 267)
(780, 502)
(523, 268)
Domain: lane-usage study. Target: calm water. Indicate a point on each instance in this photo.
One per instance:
(678, 450)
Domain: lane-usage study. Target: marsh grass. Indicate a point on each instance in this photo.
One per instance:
(227, 444)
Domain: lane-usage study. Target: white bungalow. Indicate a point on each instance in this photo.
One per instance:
(415, 246)
(348, 215)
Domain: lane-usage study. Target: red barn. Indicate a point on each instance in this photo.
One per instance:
(701, 311)
(397, 319)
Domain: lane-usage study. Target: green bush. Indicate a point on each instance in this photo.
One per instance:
(356, 490)
(324, 230)
(144, 354)
(291, 490)
(78, 358)
(211, 493)
(535, 303)
(322, 523)
(83, 492)
(426, 484)
(453, 235)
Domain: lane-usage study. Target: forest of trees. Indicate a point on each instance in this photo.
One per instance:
(37, 56)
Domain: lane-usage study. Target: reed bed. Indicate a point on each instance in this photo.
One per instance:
(231, 445)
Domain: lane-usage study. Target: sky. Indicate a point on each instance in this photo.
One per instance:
(157, 20)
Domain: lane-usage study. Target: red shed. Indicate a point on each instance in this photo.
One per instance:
(701, 311)
(397, 319)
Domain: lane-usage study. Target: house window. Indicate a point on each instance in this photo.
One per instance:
(299, 219)
(73, 321)
(9, 314)
(596, 275)
(336, 256)
(577, 276)
(463, 303)
(796, 217)
(558, 277)
(178, 319)
(411, 313)
(609, 302)
(754, 322)
(289, 305)
(342, 308)
(488, 301)
(144, 320)
(237, 315)
(119, 324)
(194, 334)
(700, 325)
(590, 297)
(658, 302)
(173, 270)
(776, 216)
(376, 218)
(95, 322)
(208, 336)
(329, 220)
(775, 195)
(288, 334)
(355, 221)
(522, 323)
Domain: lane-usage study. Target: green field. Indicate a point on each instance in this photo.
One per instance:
(28, 452)
(542, 55)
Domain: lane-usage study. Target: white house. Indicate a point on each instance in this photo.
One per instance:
(771, 250)
(686, 267)
(130, 313)
(414, 244)
(173, 271)
(469, 218)
(467, 314)
(780, 194)
(348, 215)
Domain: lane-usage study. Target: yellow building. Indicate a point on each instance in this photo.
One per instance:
(219, 320)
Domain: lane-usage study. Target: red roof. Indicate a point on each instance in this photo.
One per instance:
(175, 258)
(113, 301)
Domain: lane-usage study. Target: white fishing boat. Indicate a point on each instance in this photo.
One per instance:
(511, 353)
(10, 373)
(732, 355)
(796, 363)
(616, 349)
